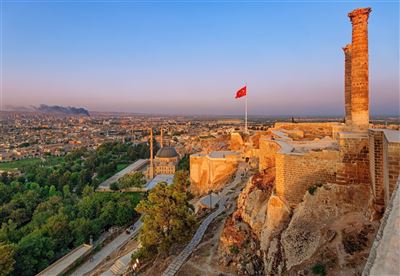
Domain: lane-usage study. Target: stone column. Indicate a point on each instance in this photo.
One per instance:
(359, 69)
(347, 83)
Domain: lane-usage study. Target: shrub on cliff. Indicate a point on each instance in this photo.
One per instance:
(319, 269)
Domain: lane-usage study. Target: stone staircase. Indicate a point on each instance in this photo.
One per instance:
(118, 268)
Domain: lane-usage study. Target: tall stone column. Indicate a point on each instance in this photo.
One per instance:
(347, 83)
(359, 69)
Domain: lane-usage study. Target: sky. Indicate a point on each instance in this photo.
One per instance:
(190, 57)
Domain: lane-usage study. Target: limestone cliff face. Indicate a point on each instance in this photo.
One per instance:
(252, 203)
(330, 228)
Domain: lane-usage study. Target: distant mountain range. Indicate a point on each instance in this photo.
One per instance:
(51, 109)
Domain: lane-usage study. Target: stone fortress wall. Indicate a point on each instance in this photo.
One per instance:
(353, 166)
(296, 173)
(311, 130)
(384, 160)
(299, 165)
(209, 172)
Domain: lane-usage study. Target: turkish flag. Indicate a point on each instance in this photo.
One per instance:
(241, 92)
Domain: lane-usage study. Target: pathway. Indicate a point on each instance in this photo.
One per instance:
(177, 263)
(107, 250)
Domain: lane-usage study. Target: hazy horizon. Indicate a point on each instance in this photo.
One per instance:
(189, 58)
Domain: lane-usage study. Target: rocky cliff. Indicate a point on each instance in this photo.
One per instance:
(328, 232)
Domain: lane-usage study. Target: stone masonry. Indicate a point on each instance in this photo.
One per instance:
(359, 69)
(295, 173)
(347, 83)
(378, 164)
(353, 167)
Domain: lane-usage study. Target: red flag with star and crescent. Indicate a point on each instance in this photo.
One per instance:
(241, 92)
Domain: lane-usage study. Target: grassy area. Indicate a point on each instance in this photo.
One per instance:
(18, 164)
(122, 166)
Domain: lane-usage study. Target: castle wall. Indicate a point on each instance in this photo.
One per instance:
(210, 174)
(378, 165)
(236, 141)
(268, 149)
(393, 167)
(311, 130)
(295, 173)
(353, 166)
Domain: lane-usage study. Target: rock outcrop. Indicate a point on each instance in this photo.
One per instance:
(328, 230)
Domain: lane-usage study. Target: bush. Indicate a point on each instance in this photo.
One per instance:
(234, 249)
(319, 269)
(312, 189)
(114, 186)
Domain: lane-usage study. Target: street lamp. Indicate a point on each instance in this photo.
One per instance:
(211, 199)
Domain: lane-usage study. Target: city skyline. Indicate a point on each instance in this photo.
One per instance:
(191, 57)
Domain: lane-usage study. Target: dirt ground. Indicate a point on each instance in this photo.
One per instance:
(204, 260)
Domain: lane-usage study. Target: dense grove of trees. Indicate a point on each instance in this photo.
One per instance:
(135, 179)
(53, 208)
(168, 217)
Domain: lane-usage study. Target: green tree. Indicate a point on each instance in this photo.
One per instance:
(181, 180)
(168, 218)
(5, 193)
(125, 213)
(81, 229)
(52, 191)
(131, 180)
(114, 186)
(33, 253)
(7, 261)
(184, 163)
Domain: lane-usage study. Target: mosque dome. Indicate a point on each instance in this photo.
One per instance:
(167, 152)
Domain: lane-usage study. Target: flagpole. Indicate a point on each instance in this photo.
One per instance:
(245, 112)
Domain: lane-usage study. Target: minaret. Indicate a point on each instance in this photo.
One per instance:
(151, 170)
(359, 69)
(347, 83)
(162, 139)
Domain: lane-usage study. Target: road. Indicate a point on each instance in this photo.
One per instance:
(177, 263)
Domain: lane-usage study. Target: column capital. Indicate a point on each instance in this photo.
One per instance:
(359, 15)
(347, 49)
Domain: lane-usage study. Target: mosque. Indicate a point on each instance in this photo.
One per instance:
(165, 161)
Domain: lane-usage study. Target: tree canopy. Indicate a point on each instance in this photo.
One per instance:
(135, 179)
(168, 218)
(53, 208)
